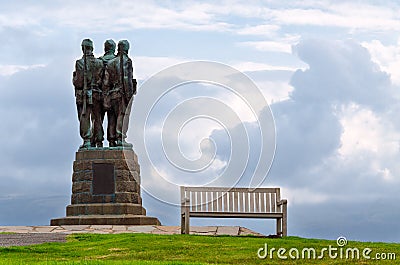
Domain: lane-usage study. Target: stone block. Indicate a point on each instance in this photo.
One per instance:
(82, 165)
(123, 197)
(109, 198)
(136, 176)
(130, 155)
(82, 176)
(105, 220)
(82, 186)
(81, 198)
(123, 165)
(141, 229)
(123, 175)
(113, 154)
(228, 230)
(74, 199)
(137, 188)
(126, 186)
(127, 197)
(97, 199)
(89, 154)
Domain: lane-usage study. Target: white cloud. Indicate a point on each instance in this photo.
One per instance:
(275, 91)
(280, 45)
(387, 57)
(255, 66)
(7, 70)
(147, 66)
(364, 131)
(116, 16)
(370, 137)
(267, 30)
(367, 17)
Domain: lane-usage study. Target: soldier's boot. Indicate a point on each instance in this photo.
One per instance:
(124, 143)
(86, 144)
(99, 144)
(112, 144)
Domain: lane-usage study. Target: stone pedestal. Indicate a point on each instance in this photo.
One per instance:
(106, 190)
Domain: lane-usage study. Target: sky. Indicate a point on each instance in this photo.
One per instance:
(327, 71)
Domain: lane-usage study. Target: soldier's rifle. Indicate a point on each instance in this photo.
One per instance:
(84, 81)
(121, 65)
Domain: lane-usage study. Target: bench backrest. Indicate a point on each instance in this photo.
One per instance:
(210, 199)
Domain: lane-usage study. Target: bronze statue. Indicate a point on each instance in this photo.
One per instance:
(104, 85)
(122, 87)
(109, 54)
(86, 80)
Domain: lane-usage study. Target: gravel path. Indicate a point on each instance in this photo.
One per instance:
(7, 240)
(30, 235)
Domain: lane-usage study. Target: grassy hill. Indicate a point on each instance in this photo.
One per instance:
(192, 249)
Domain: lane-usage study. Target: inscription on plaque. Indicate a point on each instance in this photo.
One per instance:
(103, 179)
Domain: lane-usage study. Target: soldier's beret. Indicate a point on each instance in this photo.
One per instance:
(87, 42)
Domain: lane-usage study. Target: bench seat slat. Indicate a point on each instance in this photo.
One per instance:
(230, 201)
(241, 202)
(235, 215)
(252, 202)
(225, 199)
(214, 202)
(193, 201)
(203, 201)
(263, 190)
(235, 202)
(219, 202)
(246, 202)
(268, 202)
(273, 202)
(198, 201)
(262, 197)
(257, 202)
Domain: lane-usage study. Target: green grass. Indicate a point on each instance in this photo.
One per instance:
(177, 249)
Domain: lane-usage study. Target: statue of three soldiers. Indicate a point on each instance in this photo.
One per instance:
(104, 85)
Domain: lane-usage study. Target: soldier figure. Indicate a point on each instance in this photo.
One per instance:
(86, 80)
(122, 88)
(109, 54)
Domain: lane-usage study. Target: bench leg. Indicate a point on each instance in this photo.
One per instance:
(182, 223)
(187, 225)
(279, 226)
(284, 220)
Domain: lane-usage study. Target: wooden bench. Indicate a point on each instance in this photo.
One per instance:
(233, 203)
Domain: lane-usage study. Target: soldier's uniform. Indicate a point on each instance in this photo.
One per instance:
(109, 50)
(122, 87)
(92, 96)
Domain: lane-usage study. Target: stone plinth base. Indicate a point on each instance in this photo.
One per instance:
(106, 190)
(106, 220)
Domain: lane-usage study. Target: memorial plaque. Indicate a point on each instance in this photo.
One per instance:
(103, 179)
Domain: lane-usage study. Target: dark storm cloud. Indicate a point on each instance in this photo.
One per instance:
(331, 195)
(39, 132)
(340, 72)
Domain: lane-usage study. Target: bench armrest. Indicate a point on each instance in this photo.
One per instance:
(282, 202)
(185, 200)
